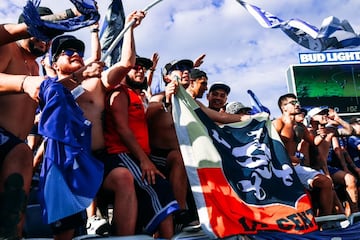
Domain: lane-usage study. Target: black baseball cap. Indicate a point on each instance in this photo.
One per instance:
(219, 85)
(64, 42)
(177, 64)
(144, 62)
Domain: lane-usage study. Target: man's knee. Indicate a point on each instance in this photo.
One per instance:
(12, 204)
(350, 180)
(323, 182)
(120, 178)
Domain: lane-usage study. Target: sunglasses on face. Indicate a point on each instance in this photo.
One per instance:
(70, 52)
(293, 102)
(138, 68)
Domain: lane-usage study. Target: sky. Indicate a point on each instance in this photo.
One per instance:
(239, 52)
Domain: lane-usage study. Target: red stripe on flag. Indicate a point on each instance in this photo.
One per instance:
(229, 215)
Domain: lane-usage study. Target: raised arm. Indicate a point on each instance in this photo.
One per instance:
(95, 44)
(336, 120)
(12, 32)
(222, 117)
(118, 71)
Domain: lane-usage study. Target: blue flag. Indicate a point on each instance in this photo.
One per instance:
(46, 30)
(114, 22)
(333, 34)
(70, 176)
(256, 105)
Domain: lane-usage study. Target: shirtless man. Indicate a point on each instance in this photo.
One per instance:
(291, 133)
(19, 86)
(120, 180)
(318, 119)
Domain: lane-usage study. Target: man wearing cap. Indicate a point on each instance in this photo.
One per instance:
(237, 108)
(66, 55)
(165, 149)
(286, 126)
(217, 96)
(318, 118)
(182, 68)
(19, 86)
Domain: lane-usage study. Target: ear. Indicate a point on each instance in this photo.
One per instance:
(55, 66)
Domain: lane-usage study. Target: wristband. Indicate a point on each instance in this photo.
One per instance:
(22, 84)
(94, 30)
(69, 13)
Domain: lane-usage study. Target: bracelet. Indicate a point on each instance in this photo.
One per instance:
(165, 104)
(69, 13)
(94, 30)
(152, 69)
(22, 84)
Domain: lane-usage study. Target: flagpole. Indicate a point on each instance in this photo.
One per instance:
(121, 34)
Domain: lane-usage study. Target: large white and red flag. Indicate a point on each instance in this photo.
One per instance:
(240, 174)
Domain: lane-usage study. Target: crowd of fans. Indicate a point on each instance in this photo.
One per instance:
(115, 125)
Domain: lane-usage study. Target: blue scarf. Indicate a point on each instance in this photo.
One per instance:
(46, 30)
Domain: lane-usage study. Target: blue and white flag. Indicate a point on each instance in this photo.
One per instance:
(70, 175)
(114, 23)
(256, 106)
(333, 34)
(46, 30)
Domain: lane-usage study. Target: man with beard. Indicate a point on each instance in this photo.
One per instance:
(67, 53)
(127, 140)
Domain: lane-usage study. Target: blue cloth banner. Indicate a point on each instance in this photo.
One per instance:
(70, 176)
(333, 33)
(46, 30)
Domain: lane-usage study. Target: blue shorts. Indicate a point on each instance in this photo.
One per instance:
(7, 142)
(159, 158)
(333, 170)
